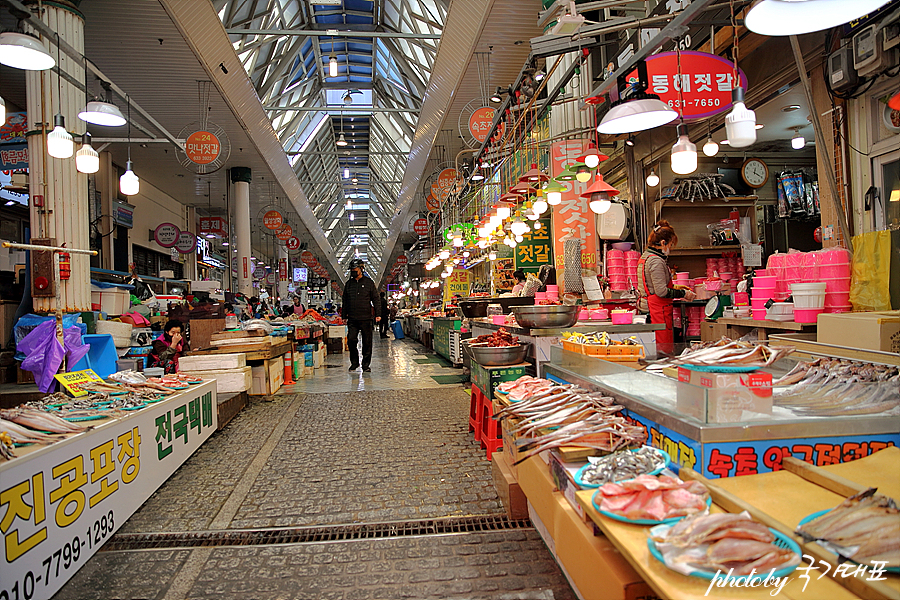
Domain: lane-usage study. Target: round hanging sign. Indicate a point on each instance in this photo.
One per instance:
(259, 273)
(187, 242)
(707, 82)
(307, 257)
(401, 260)
(480, 122)
(166, 235)
(202, 147)
(421, 227)
(273, 220)
(270, 278)
(432, 204)
(285, 233)
(445, 182)
(293, 243)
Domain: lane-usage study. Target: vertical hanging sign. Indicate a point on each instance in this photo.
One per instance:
(536, 249)
(572, 215)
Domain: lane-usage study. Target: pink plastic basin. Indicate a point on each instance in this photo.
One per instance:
(499, 319)
(834, 256)
(600, 315)
(765, 292)
(622, 318)
(833, 271)
(540, 295)
(758, 303)
(766, 281)
(615, 270)
(759, 315)
(763, 273)
(841, 284)
(552, 288)
(807, 315)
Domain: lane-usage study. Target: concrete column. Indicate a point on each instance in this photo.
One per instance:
(283, 278)
(240, 177)
(65, 212)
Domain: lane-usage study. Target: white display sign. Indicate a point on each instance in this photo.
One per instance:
(60, 503)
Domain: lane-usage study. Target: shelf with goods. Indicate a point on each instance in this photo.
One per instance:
(689, 219)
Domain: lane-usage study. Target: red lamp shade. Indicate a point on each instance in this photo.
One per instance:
(511, 197)
(599, 186)
(534, 175)
(894, 102)
(591, 156)
(523, 189)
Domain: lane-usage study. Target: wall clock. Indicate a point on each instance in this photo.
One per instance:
(754, 172)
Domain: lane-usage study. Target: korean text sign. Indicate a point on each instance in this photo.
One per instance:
(61, 502)
(572, 215)
(536, 248)
(457, 284)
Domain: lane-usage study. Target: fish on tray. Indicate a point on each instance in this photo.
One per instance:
(864, 528)
(734, 354)
(622, 465)
(723, 542)
(653, 497)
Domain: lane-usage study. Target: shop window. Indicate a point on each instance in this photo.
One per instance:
(886, 171)
(150, 263)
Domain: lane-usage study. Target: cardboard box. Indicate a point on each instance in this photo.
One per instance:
(267, 378)
(488, 378)
(212, 362)
(723, 397)
(510, 450)
(563, 475)
(868, 330)
(508, 488)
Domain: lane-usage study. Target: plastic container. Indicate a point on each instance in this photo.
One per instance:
(836, 285)
(600, 315)
(759, 315)
(808, 296)
(759, 303)
(615, 255)
(834, 271)
(498, 319)
(781, 311)
(762, 293)
(102, 356)
(762, 273)
(615, 270)
(623, 246)
(683, 275)
(624, 317)
(806, 315)
(837, 299)
(552, 288)
(766, 281)
(834, 256)
(540, 296)
(154, 372)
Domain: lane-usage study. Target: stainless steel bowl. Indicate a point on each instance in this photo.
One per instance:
(546, 317)
(498, 357)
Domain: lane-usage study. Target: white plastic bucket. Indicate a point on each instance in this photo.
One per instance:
(808, 295)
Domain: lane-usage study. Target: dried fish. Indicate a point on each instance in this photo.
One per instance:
(622, 465)
(7, 449)
(41, 421)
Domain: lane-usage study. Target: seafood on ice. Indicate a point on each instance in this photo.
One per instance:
(653, 497)
(732, 543)
(864, 528)
(735, 354)
(622, 465)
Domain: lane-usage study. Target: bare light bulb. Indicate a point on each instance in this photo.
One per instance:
(710, 148)
(684, 153)
(652, 179)
(59, 141)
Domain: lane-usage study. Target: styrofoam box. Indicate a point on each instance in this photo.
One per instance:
(337, 331)
(112, 301)
(228, 380)
(115, 329)
(212, 362)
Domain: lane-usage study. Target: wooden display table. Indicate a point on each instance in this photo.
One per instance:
(741, 327)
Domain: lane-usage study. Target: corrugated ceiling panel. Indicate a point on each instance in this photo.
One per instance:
(460, 36)
(201, 27)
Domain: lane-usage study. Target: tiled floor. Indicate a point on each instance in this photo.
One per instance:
(338, 449)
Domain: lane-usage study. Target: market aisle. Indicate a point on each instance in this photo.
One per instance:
(294, 470)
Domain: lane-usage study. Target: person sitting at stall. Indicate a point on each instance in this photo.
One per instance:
(654, 284)
(298, 306)
(169, 347)
(519, 275)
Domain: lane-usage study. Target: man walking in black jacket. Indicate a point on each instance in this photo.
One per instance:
(383, 329)
(361, 308)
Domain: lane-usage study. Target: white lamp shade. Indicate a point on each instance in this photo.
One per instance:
(60, 143)
(129, 184)
(539, 207)
(684, 156)
(592, 159)
(554, 198)
(458, 242)
(537, 225)
(332, 66)
(22, 51)
(444, 254)
(87, 160)
(444, 274)
(652, 179)
(636, 115)
(583, 174)
(740, 126)
(519, 227)
(710, 148)
(796, 17)
(519, 239)
(503, 211)
(495, 221)
(102, 113)
(341, 140)
(346, 173)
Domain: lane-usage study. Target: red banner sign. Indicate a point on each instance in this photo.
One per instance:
(572, 215)
(214, 225)
(273, 220)
(202, 147)
(401, 260)
(442, 187)
(705, 85)
(432, 204)
(421, 226)
(282, 269)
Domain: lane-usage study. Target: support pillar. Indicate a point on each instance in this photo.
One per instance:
(64, 213)
(284, 271)
(240, 177)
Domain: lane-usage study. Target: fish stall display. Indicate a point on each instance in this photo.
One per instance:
(524, 387)
(727, 542)
(836, 387)
(499, 339)
(734, 354)
(651, 498)
(864, 528)
(620, 466)
(567, 415)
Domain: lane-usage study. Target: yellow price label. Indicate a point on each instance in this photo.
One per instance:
(74, 381)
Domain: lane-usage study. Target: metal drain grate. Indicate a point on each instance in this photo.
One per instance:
(306, 535)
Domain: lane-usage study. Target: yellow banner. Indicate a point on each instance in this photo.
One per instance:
(457, 284)
(73, 381)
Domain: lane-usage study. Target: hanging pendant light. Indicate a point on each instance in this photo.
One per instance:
(504, 210)
(796, 17)
(540, 206)
(102, 113)
(341, 140)
(583, 174)
(684, 153)
(59, 141)
(492, 255)
(740, 123)
(639, 111)
(652, 179)
(477, 175)
(86, 159)
(346, 172)
(554, 191)
(798, 142)
(592, 157)
(533, 175)
(519, 227)
(23, 51)
(599, 195)
(710, 148)
(567, 175)
(129, 183)
(332, 66)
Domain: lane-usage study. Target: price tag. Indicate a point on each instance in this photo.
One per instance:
(74, 381)
(752, 255)
(828, 233)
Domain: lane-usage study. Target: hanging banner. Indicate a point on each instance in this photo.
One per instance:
(123, 214)
(214, 225)
(62, 503)
(706, 82)
(572, 215)
(283, 274)
(432, 204)
(187, 242)
(420, 226)
(285, 233)
(246, 269)
(13, 145)
(259, 273)
(166, 235)
(535, 249)
(270, 279)
(308, 259)
(202, 147)
(273, 220)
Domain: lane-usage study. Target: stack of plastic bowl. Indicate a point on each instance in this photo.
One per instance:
(552, 292)
(538, 296)
(809, 301)
(600, 314)
(615, 268)
(631, 264)
(695, 319)
(834, 271)
(775, 268)
(793, 273)
(683, 278)
(622, 317)
(712, 265)
(762, 291)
